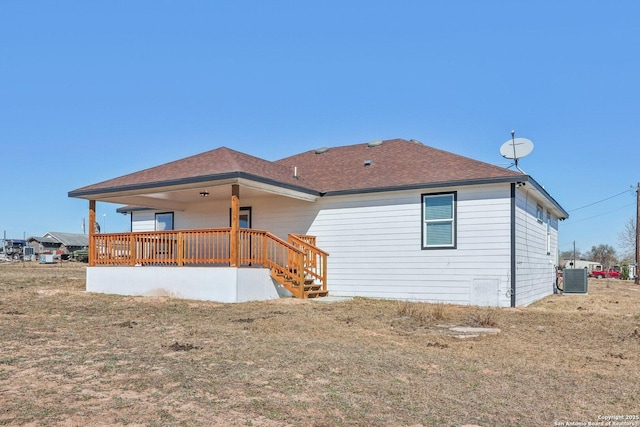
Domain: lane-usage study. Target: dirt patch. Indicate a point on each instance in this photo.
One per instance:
(71, 358)
(182, 347)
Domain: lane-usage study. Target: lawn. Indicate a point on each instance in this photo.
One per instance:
(70, 358)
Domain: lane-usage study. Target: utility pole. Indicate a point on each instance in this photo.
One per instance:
(637, 278)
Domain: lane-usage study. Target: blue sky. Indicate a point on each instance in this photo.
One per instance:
(91, 90)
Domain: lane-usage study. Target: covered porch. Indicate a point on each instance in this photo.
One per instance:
(296, 265)
(222, 263)
(205, 249)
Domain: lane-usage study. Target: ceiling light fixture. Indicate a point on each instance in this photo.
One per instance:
(204, 193)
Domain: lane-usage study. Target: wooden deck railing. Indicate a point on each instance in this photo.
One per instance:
(315, 259)
(295, 263)
(184, 247)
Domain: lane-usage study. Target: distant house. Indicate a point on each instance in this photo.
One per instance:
(54, 242)
(581, 263)
(388, 219)
(44, 245)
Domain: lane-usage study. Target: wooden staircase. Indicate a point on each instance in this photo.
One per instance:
(308, 289)
(305, 272)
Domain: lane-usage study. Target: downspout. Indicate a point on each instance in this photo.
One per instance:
(512, 291)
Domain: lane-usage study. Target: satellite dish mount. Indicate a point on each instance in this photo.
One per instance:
(515, 149)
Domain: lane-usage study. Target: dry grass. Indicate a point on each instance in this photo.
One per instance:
(483, 318)
(424, 314)
(70, 358)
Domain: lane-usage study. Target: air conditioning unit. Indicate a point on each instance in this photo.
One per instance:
(575, 280)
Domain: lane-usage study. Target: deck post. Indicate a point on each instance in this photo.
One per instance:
(92, 230)
(235, 226)
(132, 250)
(301, 275)
(180, 249)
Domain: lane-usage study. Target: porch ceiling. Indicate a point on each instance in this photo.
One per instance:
(178, 197)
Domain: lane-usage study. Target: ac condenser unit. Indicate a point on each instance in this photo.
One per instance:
(575, 280)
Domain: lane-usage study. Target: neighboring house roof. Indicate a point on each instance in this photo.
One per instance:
(68, 239)
(45, 240)
(380, 166)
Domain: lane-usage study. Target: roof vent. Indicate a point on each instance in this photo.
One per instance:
(375, 143)
(322, 150)
(368, 162)
(415, 141)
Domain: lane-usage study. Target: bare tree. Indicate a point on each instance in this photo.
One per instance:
(569, 254)
(604, 255)
(627, 240)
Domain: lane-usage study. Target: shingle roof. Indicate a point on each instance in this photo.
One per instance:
(389, 164)
(386, 165)
(394, 163)
(220, 163)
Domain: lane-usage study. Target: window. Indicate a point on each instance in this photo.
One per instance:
(244, 218)
(439, 220)
(164, 221)
(539, 212)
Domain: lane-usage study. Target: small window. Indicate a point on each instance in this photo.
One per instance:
(539, 213)
(164, 221)
(439, 220)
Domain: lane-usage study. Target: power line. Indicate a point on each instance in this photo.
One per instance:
(602, 214)
(600, 201)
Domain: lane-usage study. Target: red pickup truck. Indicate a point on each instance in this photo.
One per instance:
(601, 274)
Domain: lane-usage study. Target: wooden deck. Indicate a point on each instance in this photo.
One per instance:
(297, 264)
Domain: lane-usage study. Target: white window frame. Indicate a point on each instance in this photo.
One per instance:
(452, 220)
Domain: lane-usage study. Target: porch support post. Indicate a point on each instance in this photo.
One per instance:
(235, 225)
(92, 231)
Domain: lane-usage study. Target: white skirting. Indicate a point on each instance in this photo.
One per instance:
(223, 284)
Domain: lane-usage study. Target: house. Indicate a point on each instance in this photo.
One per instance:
(386, 219)
(53, 242)
(44, 245)
(69, 242)
(581, 263)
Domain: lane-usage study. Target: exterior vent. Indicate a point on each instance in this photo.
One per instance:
(575, 280)
(415, 141)
(321, 150)
(375, 143)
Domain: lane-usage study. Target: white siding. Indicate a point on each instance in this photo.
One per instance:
(375, 246)
(375, 243)
(535, 269)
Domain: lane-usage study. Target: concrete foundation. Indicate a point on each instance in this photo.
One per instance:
(222, 284)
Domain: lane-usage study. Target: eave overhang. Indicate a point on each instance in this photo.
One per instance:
(129, 193)
(543, 194)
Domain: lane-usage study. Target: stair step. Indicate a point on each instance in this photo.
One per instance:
(315, 294)
(310, 289)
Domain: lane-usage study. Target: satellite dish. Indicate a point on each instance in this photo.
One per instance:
(516, 148)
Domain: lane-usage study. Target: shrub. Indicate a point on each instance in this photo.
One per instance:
(624, 273)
